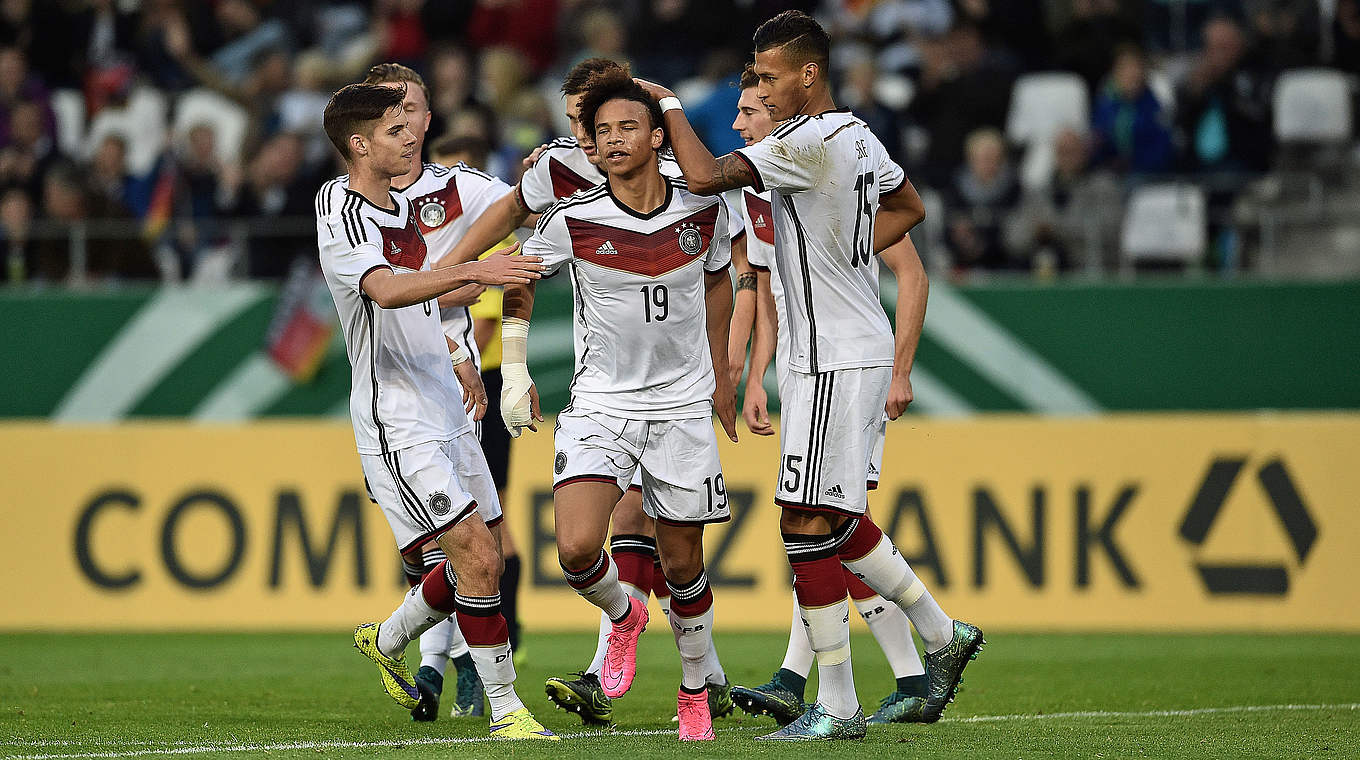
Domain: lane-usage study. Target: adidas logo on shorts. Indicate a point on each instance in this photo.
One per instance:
(835, 492)
(606, 249)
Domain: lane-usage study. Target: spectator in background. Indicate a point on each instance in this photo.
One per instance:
(1013, 28)
(108, 177)
(275, 187)
(527, 26)
(452, 81)
(202, 187)
(887, 32)
(249, 34)
(25, 158)
(16, 218)
(401, 31)
(977, 202)
(713, 95)
(1073, 222)
(1223, 107)
(1286, 32)
(1346, 35)
(1086, 42)
(19, 85)
(1131, 131)
(69, 203)
(962, 88)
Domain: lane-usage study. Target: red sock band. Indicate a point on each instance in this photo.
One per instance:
(819, 582)
(861, 540)
(859, 591)
(437, 590)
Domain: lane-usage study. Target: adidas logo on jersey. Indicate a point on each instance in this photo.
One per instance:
(759, 223)
(606, 249)
(395, 250)
(835, 492)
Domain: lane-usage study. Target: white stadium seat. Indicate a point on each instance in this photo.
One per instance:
(228, 120)
(68, 106)
(1165, 223)
(141, 123)
(1043, 104)
(1312, 106)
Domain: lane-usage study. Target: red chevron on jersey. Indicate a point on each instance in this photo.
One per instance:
(762, 222)
(648, 254)
(404, 247)
(436, 209)
(565, 181)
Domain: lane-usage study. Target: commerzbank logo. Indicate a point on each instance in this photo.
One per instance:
(1276, 487)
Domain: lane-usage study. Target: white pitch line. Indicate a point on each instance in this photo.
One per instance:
(181, 748)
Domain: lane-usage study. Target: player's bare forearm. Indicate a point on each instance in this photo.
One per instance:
(704, 174)
(897, 214)
(743, 310)
(718, 311)
(913, 289)
(498, 221)
(766, 329)
(518, 301)
(392, 290)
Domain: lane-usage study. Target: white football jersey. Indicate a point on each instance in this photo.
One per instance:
(563, 168)
(759, 227)
(446, 201)
(640, 313)
(826, 174)
(402, 388)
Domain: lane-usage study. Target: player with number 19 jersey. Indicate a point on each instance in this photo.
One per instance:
(639, 303)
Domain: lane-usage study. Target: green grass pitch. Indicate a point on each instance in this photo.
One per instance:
(1028, 696)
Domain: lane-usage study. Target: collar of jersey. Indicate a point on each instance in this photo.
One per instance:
(413, 182)
(396, 200)
(665, 204)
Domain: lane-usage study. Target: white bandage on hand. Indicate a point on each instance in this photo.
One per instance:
(516, 408)
(460, 355)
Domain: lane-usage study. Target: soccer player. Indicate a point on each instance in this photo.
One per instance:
(445, 200)
(653, 300)
(782, 696)
(563, 167)
(415, 441)
(837, 200)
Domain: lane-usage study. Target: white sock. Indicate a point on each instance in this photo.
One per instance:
(798, 656)
(434, 645)
(458, 645)
(693, 634)
(886, 571)
(602, 643)
(712, 665)
(604, 591)
(829, 634)
(891, 629)
(411, 619)
(496, 668)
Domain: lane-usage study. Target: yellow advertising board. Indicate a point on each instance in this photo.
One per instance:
(1118, 522)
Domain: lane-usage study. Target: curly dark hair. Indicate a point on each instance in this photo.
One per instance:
(616, 84)
(576, 80)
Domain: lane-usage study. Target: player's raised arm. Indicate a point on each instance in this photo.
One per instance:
(392, 290)
(913, 288)
(704, 174)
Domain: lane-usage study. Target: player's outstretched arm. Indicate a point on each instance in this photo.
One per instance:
(743, 311)
(756, 410)
(898, 212)
(519, 397)
(475, 401)
(718, 310)
(913, 288)
(392, 290)
(494, 225)
(704, 174)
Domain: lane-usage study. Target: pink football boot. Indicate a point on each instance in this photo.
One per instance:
(620, 655)
(696, 725)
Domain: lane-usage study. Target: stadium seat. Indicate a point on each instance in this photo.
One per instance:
(1165, 225)
(228, 120)
(1042, 104)
(141, 122)
(68, 106)
(1312, 106)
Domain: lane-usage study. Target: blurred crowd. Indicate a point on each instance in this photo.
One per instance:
(175, 139)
